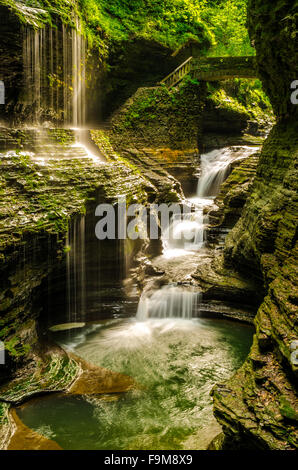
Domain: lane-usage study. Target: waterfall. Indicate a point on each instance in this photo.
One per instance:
(55, 84)
(79, 77)
(185, 232)
(55, 74)
(76, 270)
(215, 168)
(169, 302)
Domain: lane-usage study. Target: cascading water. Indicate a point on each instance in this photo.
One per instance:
(55, 84)
(187, 233)
(169, 302)
(76, 269)
(55, 74)
(215, 168)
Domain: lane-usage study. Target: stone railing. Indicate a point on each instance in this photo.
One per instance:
(212, 69)
(221, 68)
(175, 77)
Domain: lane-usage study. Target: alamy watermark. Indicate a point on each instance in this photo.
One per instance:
(2, 92)
(294, 95)
(2, 353)
(294, 352)
(136, 221)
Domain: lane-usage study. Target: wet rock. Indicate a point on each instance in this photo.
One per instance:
(234, 192)
(162, 187)
(97, 380)
(261, 410)
(40, 197)
(220, 283)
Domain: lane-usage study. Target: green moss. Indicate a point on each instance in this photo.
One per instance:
(161, 117)
(4, 407)
(242, 96)
(56, 374)
(273, 29)
(16, 348)
(169, 22)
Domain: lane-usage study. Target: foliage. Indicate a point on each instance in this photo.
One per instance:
(244, 96)
(227, 20)
(216, 23)
(221, 23)
(170, 22)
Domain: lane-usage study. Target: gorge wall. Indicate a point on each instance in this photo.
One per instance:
(258, 406)
(45, 65)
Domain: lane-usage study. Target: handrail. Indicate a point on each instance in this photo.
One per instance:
(212, 68)
(176, 76)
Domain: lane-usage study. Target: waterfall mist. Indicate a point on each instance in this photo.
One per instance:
(170, 302)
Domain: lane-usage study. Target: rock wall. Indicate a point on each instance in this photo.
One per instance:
(160, 127)
(35, 212)
(11, 48)
(233, 193)
(273, 31)
(258, 407)
(42, 49)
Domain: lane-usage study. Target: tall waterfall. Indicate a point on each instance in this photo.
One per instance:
(169, 302)
(76, 269)
(55, 74)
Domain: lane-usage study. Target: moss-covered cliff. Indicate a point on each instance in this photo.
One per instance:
(273, 30)
(258, 407)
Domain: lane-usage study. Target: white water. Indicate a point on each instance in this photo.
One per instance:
(55, 74)
(55, 87)
(187, 233)
(215, 168)
(76, 269)
(169, 302)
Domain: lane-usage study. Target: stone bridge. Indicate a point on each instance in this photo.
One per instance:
(213, 69)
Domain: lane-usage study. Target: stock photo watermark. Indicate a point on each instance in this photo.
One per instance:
(294, 95)
(2, 92)
(2, 354)
(141, 222)
(294, 352)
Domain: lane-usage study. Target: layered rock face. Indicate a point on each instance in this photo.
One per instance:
(258, 407)
(35, 213)
(273, 30)
(159, 128)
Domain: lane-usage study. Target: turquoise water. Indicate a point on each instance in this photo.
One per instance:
(177, 362)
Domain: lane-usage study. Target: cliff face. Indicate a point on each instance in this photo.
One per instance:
(258, 406)
(36, 211)
(11, 59)
(273, 30)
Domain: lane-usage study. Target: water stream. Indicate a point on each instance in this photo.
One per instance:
(174, 356)
(169, 302)
(176, 362)
(189, 232)
(55, 74)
